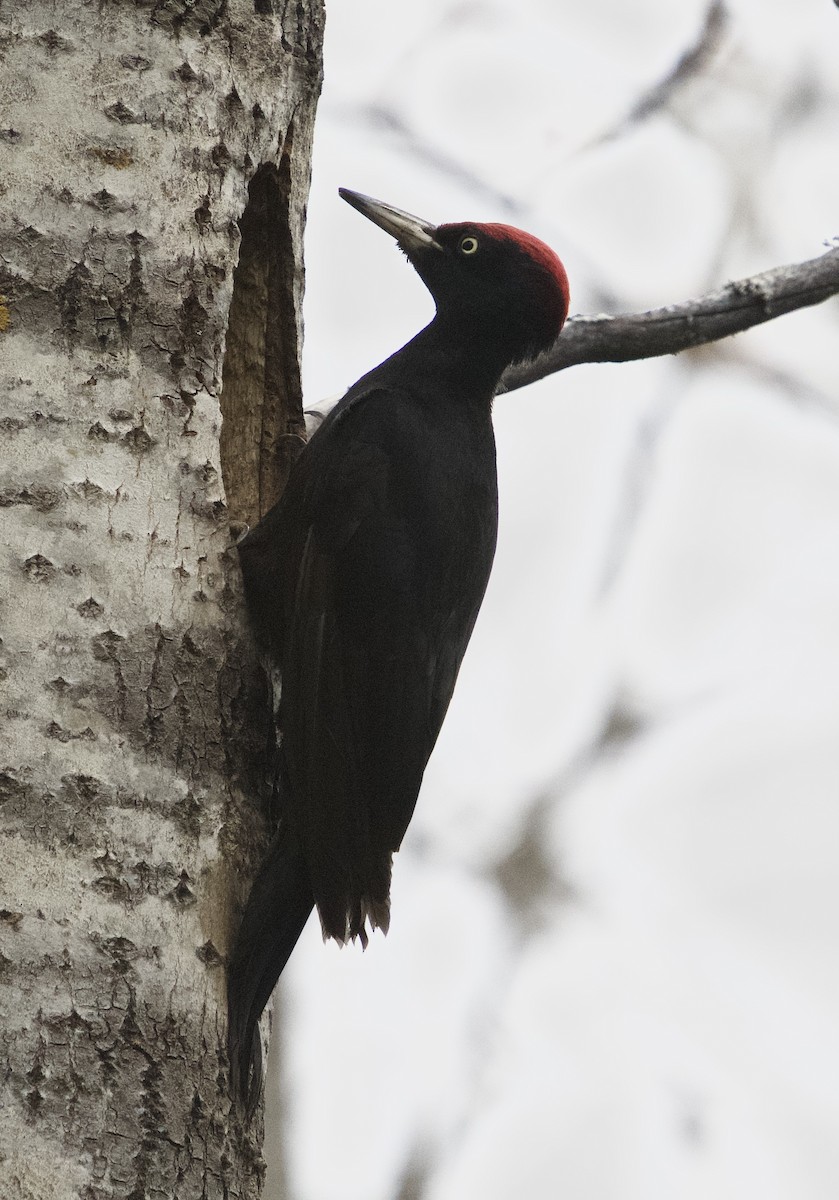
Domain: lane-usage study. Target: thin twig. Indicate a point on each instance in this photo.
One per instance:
(732, 309)
(690, 65)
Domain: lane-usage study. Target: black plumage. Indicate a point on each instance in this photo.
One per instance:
(363, 585)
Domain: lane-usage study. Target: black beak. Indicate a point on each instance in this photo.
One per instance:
(411, 233)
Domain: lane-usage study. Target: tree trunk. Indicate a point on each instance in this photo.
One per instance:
(132, 751)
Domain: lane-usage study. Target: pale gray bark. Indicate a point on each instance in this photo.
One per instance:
(131, 763)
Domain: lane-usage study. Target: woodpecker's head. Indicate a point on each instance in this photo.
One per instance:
(491, 283)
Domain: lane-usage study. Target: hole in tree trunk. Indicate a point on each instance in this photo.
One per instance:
(261, 404)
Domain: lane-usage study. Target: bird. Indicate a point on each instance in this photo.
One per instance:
(363, 584)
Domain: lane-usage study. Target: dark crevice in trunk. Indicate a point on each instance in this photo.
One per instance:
(261, 401)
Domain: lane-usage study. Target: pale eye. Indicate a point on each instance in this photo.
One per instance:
(468, 244)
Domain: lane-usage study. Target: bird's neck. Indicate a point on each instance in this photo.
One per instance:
(445, 358)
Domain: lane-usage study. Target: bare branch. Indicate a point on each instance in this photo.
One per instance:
(732, 309)
(690, 65)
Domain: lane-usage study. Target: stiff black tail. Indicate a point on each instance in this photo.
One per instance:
(277, 909)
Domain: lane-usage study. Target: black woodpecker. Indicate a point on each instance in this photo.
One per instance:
(363, 585)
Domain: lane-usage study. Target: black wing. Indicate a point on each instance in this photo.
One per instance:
(380, 570)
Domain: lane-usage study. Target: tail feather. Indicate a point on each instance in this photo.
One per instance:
(277, 909)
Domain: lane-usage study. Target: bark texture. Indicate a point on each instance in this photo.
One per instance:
(135, 141)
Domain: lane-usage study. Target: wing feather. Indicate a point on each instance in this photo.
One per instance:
(374, 627)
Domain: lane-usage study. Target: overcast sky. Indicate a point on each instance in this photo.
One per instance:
(612, 971)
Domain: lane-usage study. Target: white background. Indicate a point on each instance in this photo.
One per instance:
(613, 967)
